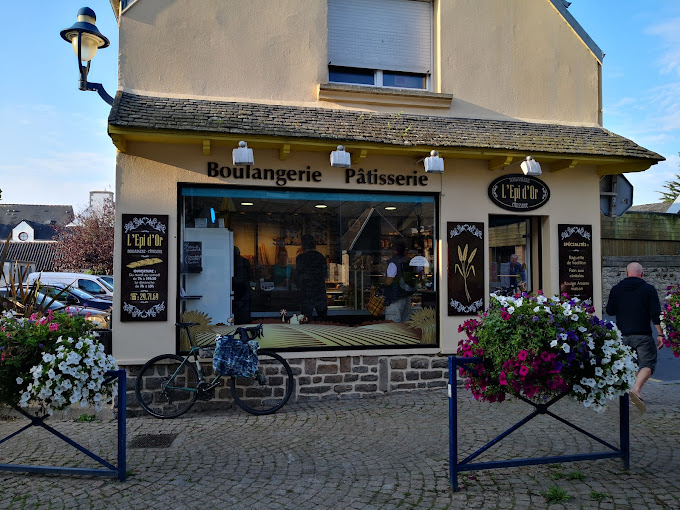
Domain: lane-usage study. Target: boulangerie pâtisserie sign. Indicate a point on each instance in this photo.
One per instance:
(144, 268)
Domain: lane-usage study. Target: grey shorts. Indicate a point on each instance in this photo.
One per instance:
(646, 349)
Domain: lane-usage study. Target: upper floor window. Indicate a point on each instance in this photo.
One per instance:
(382, 43)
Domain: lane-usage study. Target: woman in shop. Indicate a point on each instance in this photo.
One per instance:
(281, 272)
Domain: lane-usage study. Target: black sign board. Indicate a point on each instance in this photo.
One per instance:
(465, 267)
(144, 269)
(519, 192)
(576, 260)
(192, 257)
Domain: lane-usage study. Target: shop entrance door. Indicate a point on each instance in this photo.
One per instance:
(514, 254)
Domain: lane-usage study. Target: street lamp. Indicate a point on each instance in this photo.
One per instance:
(86, 40)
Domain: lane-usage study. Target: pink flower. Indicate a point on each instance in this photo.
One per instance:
(522, 355)
(523, 371)
(54, 326)
(502, 379)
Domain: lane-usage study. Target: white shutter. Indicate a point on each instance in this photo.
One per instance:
(392, 35)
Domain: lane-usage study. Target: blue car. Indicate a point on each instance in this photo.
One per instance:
(75, 297)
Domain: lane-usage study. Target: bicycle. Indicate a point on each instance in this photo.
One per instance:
(168, 385)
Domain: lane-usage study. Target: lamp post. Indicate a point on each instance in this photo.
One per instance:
(86, 40)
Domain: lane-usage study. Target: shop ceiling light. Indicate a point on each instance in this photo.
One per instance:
(434, 164)
(340, 158)
(242, 155)
(247, 203)
(530, 166)
(320, 206)
(419, 261)
(390, 208)
(86, 39)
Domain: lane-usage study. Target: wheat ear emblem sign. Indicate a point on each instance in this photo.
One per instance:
(465, 267)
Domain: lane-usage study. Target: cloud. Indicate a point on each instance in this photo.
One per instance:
(669, 32)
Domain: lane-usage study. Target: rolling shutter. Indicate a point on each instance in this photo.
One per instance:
(392, 35)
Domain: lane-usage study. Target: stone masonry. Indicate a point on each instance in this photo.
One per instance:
(342, 377)
(660, 271)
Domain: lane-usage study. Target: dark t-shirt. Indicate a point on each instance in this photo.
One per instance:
(635, 303)
(310, 273)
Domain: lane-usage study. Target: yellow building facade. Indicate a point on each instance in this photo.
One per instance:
(486, 84)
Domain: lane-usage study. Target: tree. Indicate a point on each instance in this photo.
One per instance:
(86, 245)
(672, 189)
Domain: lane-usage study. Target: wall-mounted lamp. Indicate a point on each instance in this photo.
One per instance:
(340, 158)
(433, 163)
(86, 39)
(530, 166)
(242, 155)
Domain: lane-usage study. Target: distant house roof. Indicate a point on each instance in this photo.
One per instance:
(173, 115)
(660, 207)
(13, 214)
(41, 254)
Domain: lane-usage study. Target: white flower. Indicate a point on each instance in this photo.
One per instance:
(553, 343)
(48, 358)
(20, 380)
(566, 348)
(511, 309)
(598, 371)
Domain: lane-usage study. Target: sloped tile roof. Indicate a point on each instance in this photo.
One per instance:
(660, 207)
(13, 214)
(205, 117)
(39, 253)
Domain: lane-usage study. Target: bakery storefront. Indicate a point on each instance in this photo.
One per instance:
(301, 246)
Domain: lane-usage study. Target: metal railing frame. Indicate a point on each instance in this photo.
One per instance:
(111, 470)
(456, 467)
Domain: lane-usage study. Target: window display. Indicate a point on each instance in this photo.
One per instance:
(305, 264)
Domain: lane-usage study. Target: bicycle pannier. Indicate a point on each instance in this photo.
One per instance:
(234, 357)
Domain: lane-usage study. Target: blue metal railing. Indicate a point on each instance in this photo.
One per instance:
(111, 470)
(455, 466)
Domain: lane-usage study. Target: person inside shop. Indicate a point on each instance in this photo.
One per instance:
(281, 271)
(310, 279)
(397, 292)
(517, 276)
(243, 274)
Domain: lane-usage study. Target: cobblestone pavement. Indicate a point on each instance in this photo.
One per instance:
(382, 453)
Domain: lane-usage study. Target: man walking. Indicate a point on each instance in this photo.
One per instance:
(635, 303)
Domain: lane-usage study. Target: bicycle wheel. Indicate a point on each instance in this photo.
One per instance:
(268, 390)
(166, 386)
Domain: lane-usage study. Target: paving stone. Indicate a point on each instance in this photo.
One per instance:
(387, 452)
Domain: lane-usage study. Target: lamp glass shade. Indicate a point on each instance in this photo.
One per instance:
(88, 47)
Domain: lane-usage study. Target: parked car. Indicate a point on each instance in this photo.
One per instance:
(108, 279)
(101, 318)
(90, 283)
(74, 297)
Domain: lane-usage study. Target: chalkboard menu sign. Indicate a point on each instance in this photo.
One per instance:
(465, 267)
(576, 260)
(144, 281)
(519, 192)
(192, 257)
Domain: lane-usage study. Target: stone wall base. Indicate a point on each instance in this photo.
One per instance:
(339, 378)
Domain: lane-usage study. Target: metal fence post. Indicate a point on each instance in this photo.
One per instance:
(122, 432)
(624, 430)
(453, 424)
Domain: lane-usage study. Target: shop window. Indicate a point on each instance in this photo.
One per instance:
(382, 43)
(259, 256)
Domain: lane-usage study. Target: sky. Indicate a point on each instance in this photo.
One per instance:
(54, 147)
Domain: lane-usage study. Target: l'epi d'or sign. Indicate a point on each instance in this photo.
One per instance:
(519, 192)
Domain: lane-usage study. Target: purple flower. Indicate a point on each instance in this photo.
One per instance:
(535, 318)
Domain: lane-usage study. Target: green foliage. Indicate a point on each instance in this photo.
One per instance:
(576, 475)
(598, 496)
(672, 189)
(557, 495)
(88, 418)
(557, 475)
